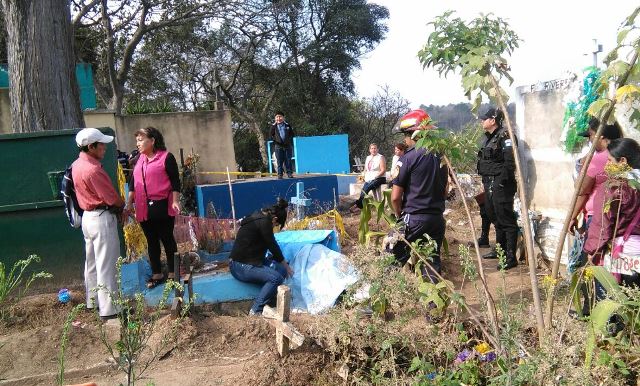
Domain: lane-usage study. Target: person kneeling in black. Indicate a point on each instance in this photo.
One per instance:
(247, 260)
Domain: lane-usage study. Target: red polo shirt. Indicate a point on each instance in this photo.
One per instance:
(92, 184)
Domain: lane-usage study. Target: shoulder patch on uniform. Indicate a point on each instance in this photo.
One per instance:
(507, 143)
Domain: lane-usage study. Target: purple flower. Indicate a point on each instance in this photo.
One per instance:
(463, 356)
(489, 357)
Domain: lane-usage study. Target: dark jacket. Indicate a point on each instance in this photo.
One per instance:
(254, 238)
(495, 158)
(287, 141)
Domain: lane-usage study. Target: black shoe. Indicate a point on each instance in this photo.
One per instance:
(290, 176)
(508, 265)
(490, 255)
(483, 242)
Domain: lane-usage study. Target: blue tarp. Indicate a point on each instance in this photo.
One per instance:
(320, 276)
(321, 272)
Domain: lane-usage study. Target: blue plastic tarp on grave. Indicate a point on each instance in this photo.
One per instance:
(291, 242)
(321, 272)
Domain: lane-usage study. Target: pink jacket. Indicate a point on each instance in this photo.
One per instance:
(158, 184)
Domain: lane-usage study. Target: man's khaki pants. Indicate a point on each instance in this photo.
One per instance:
(100, 229)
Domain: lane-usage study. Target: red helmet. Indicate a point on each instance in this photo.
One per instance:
(412, 121)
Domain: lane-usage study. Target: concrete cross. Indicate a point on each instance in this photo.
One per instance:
(299, 201)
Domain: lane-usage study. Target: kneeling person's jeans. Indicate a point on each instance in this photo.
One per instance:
(271, 274)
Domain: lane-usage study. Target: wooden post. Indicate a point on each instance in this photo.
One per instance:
(176, 306)
(233, 206)
(284, 310)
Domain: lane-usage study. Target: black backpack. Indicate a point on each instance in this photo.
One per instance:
(68, 192)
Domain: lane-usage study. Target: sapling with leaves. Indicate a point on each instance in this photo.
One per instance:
(622, 75)
(475, 50)
(133, 352)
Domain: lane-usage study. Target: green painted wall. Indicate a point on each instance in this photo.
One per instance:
(31, 221)
(84, 76)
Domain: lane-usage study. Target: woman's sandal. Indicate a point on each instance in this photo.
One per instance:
(153, 283)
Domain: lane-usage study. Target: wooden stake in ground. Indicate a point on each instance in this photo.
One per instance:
(233, 206)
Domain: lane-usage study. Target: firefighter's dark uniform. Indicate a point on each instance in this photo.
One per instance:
(423, 177)
(497, 167)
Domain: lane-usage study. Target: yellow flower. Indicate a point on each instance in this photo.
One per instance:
(617, 170)
(588, 273)
(483, 348)
(549, 282)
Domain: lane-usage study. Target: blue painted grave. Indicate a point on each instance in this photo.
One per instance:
(253, 194)
(219, 287)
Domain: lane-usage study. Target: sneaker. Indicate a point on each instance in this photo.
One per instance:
(254, 313)
(490, 255)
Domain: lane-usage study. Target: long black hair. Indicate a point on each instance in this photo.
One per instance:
(627, 148)
(279, 210)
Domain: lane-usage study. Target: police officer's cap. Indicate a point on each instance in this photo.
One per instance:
(493, 113)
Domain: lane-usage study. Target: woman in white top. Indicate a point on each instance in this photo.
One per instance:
(374, 169)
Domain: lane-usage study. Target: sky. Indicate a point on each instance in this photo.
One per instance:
(555, 37)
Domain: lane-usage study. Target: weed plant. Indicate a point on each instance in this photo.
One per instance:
(14, 284)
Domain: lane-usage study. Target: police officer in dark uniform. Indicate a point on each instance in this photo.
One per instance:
(419, 192)
(497, 167)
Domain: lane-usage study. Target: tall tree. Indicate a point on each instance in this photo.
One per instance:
(123, 25)
(44, 93)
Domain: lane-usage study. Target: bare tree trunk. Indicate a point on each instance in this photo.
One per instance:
(44, 91)
(524, 213)
(262, 143)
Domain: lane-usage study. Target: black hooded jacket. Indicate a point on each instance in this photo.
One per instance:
(254, 238)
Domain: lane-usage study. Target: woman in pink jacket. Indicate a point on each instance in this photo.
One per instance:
(155, 190)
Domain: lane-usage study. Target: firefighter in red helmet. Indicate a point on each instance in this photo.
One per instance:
(419, 191)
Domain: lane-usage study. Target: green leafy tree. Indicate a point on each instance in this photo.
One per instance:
(475, 49)
(623, 76)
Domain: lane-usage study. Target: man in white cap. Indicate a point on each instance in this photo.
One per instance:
(100, 201)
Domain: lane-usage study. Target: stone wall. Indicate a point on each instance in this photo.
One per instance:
(207, 133)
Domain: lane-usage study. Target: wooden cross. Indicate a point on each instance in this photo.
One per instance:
(286, 333)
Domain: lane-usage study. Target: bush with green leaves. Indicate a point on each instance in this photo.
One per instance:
(14, 283)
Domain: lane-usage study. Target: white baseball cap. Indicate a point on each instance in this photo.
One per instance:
(88, 136)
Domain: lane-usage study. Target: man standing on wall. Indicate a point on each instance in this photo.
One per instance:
(419, 192)
(101, 204)
(497, 167)
(282, 136)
